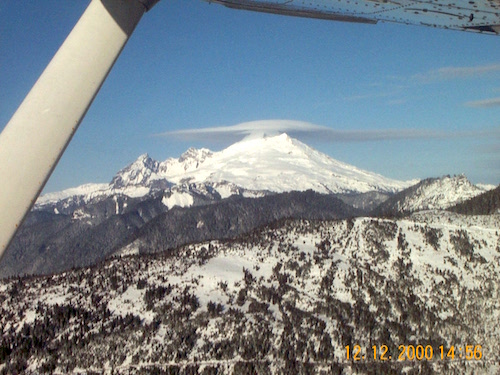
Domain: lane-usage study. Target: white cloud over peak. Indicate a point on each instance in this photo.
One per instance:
(299, 129)
(259, 128)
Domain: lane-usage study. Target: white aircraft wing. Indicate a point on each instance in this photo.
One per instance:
(468, 15)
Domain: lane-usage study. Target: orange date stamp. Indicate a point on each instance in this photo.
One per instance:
(415, 353)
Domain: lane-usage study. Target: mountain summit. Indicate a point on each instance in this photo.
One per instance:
(281, 164)
(267, 164)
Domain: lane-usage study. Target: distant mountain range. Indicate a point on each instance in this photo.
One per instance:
(251, 167)
(206, 195)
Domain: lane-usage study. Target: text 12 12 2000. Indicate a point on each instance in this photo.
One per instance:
(415, 353)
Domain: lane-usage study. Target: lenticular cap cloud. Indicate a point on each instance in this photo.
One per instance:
(251, 128)
(302, 129)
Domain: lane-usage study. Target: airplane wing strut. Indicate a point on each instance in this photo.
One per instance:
(38, 133)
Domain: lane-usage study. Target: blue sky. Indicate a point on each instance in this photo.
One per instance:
(431, 97)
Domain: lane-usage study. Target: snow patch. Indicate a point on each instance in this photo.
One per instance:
(131, 302)
(83, 190)
(178, 199)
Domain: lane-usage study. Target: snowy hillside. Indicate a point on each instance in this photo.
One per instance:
(250, 167)
(286, 299)
(432, 193)
(484, 204)
(50, 242)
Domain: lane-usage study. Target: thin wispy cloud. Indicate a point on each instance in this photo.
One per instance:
(379, 90)
(398, 86)
(369, 95)
(455, 72)
(307, 131)
(486, 103)
(399, 101)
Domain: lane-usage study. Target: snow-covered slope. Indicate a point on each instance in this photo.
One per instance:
(268, 164)
(287, 299)
(88, 190)
(442, 193)
(432, 193)
(484, 204)
(135, 180)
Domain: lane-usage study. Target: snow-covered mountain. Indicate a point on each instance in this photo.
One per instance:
(276, 164)
(251, 167)
(432, 194)
(484, 204)
(287, 299)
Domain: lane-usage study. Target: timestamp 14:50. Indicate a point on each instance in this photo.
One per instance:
(416, 352)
